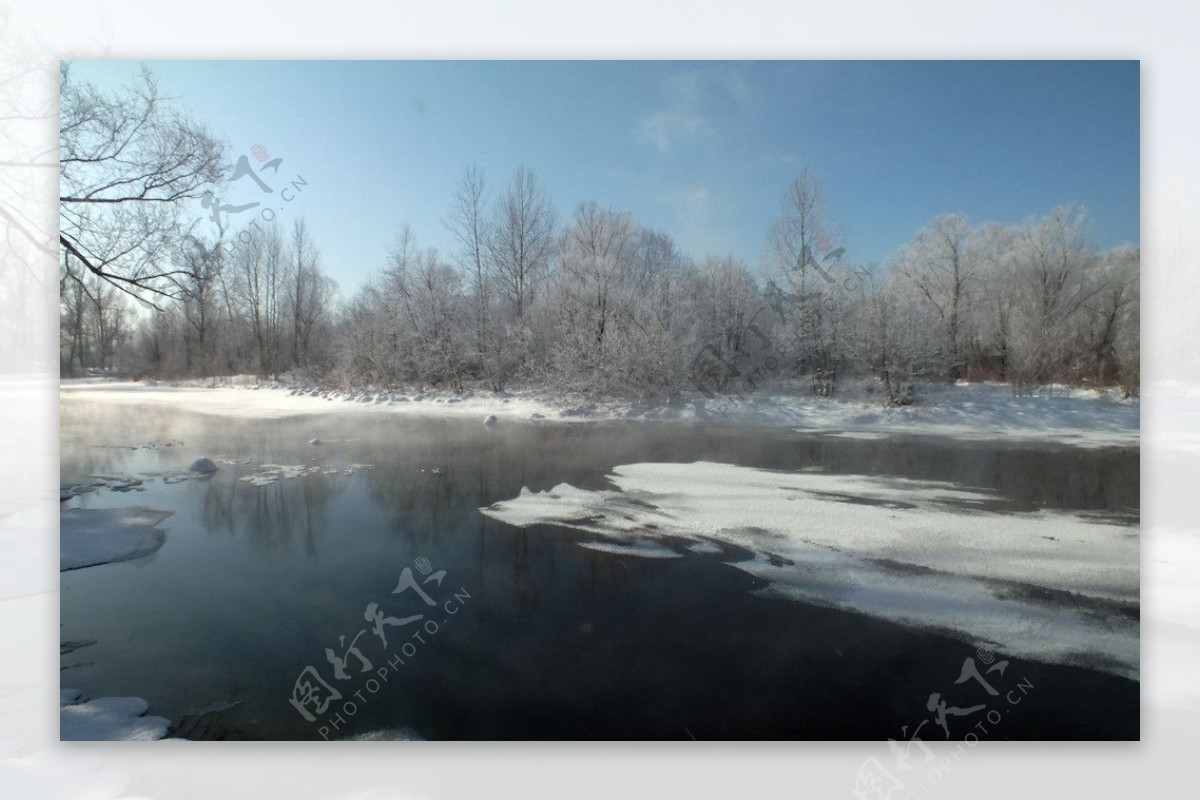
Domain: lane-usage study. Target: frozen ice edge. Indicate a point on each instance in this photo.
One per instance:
(89, 537)
(922, 554)
(108, 719)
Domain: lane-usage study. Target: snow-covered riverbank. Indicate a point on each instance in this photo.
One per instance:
(987, 412)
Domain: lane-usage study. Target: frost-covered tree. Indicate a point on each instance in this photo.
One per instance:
(469, 224)
(203, 263)
(1050, 259)
(309, 294)
(260, 264)
(656, 358)
(521, 242)
(597, 282)
(943, 263)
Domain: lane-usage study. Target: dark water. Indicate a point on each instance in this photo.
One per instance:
(530, 636)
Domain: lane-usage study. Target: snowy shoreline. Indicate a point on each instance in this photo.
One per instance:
(1083, 418)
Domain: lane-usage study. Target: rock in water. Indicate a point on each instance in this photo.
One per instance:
(490, 420)
(204, 466)
(314, 441)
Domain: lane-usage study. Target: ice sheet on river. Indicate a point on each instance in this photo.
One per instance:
(1049, 585)
(99, 536)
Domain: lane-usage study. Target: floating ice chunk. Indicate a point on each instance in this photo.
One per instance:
(100, 536)
(644, 549)
(387, 734)
(110, 719)
(314, 441)
(1050, 585)
(272, 473)
(95, 482)
(857, 434)
(204, 466)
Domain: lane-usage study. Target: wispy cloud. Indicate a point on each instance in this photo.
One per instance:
(680, 120)
(700, 219)
(692, 204)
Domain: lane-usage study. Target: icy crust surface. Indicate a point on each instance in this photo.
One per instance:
(108, 719)
(1048, 585)
(90, 537)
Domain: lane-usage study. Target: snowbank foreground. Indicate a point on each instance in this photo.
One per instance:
(974, 412)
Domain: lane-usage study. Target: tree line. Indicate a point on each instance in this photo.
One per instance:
(594, 301)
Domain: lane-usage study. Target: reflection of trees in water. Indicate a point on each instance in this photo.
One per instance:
(217, 511)
(274, 514)
(522, 580)
(437, 514)
(424, 507)
(603, 574)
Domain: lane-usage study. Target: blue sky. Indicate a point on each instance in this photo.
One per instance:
(701, 150)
